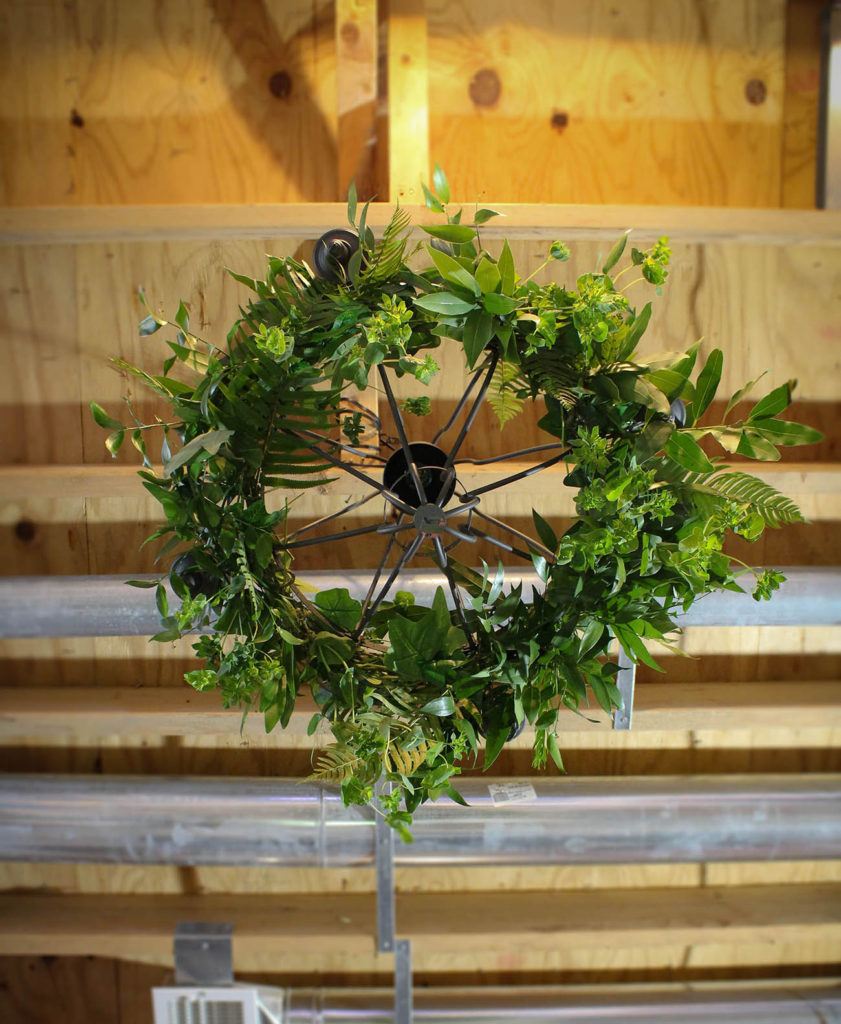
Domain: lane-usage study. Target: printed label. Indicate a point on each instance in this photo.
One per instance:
(511, 793)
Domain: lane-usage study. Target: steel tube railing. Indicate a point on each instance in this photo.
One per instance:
(56, 606)
(145, 820)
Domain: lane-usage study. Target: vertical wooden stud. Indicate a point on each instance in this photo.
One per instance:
(408, 101)
(356, 88)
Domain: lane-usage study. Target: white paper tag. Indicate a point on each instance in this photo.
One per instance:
(511, 793)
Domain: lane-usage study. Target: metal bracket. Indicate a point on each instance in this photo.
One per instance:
(625, 682)
(386, 941)
(203, 953)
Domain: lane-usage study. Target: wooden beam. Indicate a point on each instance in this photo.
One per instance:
(408, 101)
(180, 711)
(502, 922)
(815, 486)
(52, 225)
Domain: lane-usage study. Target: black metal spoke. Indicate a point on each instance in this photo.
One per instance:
(374, 580)
(461, 404)
(408, 554)
(453, 532)
(445, 568)
(501, 544)
(333, 515)
(394, 527)
(349, 468)
(357, 532)
(516, 476)
(401, 433)
(514, 455)
(523, 536)
(468, 423)
(465, 507)
(301, 432)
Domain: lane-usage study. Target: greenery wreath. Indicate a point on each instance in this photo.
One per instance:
(408, 690)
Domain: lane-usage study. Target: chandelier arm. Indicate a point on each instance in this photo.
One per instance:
(448, 572)
(523, 536)
(401, 433)
(375, 579)
(514, 455)
(501, 544)
(407, 555)
(516, 476)
(468, 423)
(461, 404)
(333, 515)
(357, 532)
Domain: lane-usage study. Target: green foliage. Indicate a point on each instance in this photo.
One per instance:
(408, 697)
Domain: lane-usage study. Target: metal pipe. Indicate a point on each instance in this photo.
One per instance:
(795, 1004)
(150, 820)
(57, 606)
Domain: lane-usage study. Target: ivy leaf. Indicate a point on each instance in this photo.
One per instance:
(339, 607)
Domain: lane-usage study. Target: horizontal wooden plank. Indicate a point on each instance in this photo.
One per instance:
(435, 922)
(57, 225)
(181, 711)
(816, 487)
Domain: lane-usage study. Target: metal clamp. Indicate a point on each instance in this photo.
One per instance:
(203, 953)
(386, 941)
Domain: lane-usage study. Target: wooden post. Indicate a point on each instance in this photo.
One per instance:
(408, 101)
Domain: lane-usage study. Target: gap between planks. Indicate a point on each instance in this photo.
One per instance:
(181, 711)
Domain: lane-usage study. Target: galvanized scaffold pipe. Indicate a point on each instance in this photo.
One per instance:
(154, 820)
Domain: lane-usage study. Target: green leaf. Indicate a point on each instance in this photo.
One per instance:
(635, 332)
(444, 303)
(778, 400)
(211, 441)
(544, 531)
(451, 270)
(499, 304)
(482, 216)
(786, 432)
(339, 607)
(432, 201)
(615, 253)
(247, 281)
(442, 186)
(737, 396)
(507, 273)
(458, 233)
(271, 716)
(114, 442)
(351, 204)
(478, 331)
(687, 453)
(670, 382)
(754, 446)
(182, 317)
(707, 384)
(487, 275)
(554, 752)
(102, 418)
(442, 707)
(148, 325)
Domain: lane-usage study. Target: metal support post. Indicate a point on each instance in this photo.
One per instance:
(203, 953)
(625, 681)
(386, 942)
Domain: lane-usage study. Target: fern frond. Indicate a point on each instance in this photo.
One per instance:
(503, 394)
(551, 369)
(398, 759)
(775, 508)
(335, 764)
(390, 252)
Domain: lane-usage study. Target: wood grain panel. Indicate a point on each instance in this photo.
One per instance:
(182, 102)
(605, 102)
